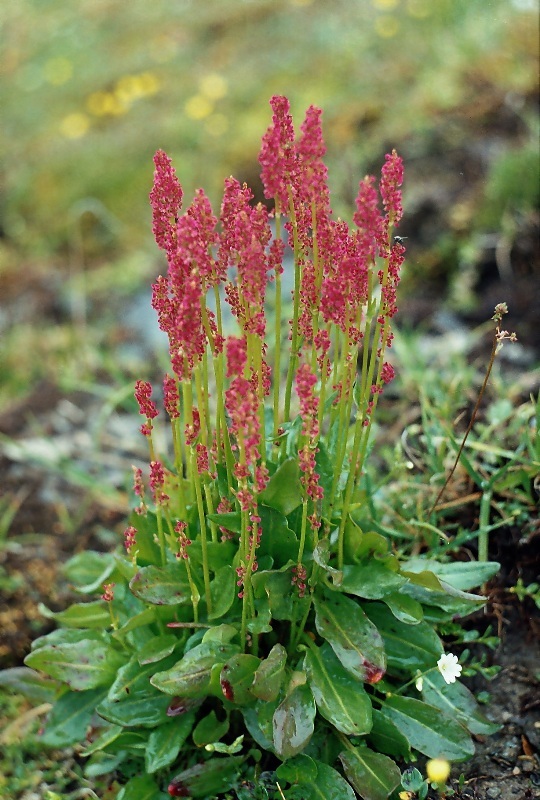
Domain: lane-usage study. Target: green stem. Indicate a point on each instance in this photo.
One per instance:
(296, 313)
(196, 478)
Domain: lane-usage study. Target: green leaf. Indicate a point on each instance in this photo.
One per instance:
(294, 722)
(261, 622)
(386, 737)
(210, 729)
(70, 636)
(269, 675)
(315, 780)
(277, 585)
(404, 608)
(108, 735)
(222, 634)
(191, 676)
(88, 571)
(354, 639)
(162, 585)
(202, 780)
(158, 648)
(428, 729)
(277, 541)
(299, 769)
(84, 665)
(371, 580)
(463, 575)
(373, 775)
(340, 698)
(142, 787)
(81, 615)
(456, 701)
(135, 622)
(223, 591)
(133, 677)
(322, 556)
(407, 648)
(165, 742)
(230, 520)
(145, 709)
(236, 678)
(368, 544)
(147, 528)
(324, 467)
(284, 490)
(70, 717)
(426, 587)
(31, 684)
(258, 720)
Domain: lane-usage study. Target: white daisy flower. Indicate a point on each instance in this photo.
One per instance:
(449, 667)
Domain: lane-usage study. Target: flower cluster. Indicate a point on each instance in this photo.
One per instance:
(223, 437)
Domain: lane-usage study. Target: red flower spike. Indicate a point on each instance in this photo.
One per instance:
(166, 201)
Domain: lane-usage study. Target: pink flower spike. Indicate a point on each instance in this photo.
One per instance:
(277, 156)
(387, 373)
(171, 397)
(130, 537)
(236, 349)
(166, 201)
(143, 393)
(391, 180)
(157, 480)
(108, 592)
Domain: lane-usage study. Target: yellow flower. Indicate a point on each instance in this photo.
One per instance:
(438, 770)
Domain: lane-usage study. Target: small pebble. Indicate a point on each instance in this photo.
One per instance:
(516, 771)
(493, 792)
(528, 766)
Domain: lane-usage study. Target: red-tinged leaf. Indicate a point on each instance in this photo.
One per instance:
(203, 780)
(340, 697)
(354, 639)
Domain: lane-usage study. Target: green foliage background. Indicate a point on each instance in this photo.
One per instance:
(91, 89)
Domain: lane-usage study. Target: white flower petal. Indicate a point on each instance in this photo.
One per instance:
(449, 667)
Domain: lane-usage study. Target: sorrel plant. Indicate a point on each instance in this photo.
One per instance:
(251, 638)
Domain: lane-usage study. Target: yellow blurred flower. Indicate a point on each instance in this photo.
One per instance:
(198, 107)
(149, 83)
(385, 5)
(213, 86)
(74, 126)
(104, 104)
(419, 8)
(438, 770)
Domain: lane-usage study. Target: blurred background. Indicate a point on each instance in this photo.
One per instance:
(90, 90)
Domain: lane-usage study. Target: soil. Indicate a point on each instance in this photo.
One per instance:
(54, 518)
